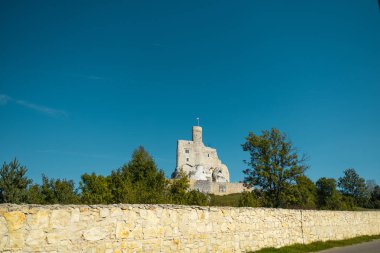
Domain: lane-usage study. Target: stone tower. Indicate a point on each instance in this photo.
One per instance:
(197, 134)
(197, 145)
(198, 161)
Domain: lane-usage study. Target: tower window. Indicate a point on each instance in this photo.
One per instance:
(208, 155)
(187, 151)
(187, 159)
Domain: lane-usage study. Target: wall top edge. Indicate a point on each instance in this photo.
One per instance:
(18, 207)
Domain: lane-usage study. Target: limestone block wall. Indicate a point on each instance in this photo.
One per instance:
(324, 225)
(170, 228)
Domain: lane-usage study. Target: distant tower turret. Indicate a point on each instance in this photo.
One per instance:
(197, 134)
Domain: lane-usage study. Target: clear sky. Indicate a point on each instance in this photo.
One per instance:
(84, 83)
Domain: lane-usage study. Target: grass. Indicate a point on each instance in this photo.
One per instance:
(317, 246)
(225, 200)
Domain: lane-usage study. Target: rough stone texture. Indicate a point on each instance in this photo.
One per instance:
(170, 228)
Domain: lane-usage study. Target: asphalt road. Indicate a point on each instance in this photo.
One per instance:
(366, 247)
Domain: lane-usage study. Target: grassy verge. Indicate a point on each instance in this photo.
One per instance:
(226, 200)
(317, 246)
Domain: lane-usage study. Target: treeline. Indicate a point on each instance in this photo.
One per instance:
(275, 173)
(349, 192)
(139, 181)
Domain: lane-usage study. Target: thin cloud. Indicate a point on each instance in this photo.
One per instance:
(5, 99)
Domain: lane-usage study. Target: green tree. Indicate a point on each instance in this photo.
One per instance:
(121, 187)
(179, 189)
(13, 183)
(58, 191)
(352, 185)
(328, 196)
(347, 202)
(35, 195)
(95, 189)
(141, 166)
(303, 194)
(137, 182)
(180, 193)
(375, 197)
(274, 165)
(149, 183)
(374, 193)
(248, 199)
(197, 198)
(370, 184)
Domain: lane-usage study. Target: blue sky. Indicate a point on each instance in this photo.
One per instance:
(83, 83)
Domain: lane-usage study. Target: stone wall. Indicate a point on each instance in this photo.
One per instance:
(168, 228)
(217, 188)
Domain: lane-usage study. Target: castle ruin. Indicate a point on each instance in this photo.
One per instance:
(205, 170)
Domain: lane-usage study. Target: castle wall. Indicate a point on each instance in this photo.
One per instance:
(216, 188)
(182, 155)
(170, 228)
(193, 153)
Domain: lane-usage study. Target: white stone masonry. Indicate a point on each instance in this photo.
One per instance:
(198, 161)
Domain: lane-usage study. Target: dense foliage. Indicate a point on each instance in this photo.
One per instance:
(328, 196)
(274, 167)
(53, 191)
(139, 181)
(275, 175)
(13, 183)
(354, 186)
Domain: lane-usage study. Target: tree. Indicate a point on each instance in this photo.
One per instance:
(370, 184)
(374, 193)
(352, 185)
(141, 166)
(375, 197)
(248, 199)
(58, 191)
(328, 196)
(95, 189)
(137, 182)
(149, 183)
(35, 195)
(303, 194)
(121, 187)
(13, 183)
(178, 189)
(194, 197)
(274, 165)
